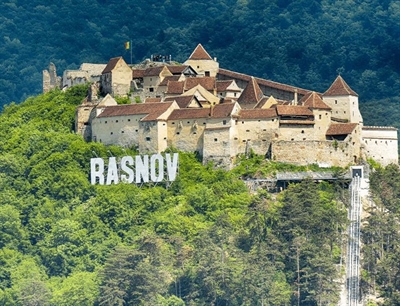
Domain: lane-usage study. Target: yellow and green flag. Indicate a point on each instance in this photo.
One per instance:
(127, 45)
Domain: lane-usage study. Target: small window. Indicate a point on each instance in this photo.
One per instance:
(122, 132)
(207, 73)
(188, 122)
(247, 130)
(224, 122)
(320, 117)
(151, 89)
(136, 131)
(264, 130)
(173, 122)
(335, 101)
(215, 139)
(116, 120)
(204, 123)
(112, 133)
(177, 133)
(147, 138)
(302, 131)
(105, 121)
(129, 120)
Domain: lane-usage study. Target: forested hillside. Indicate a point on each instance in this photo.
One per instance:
(302, 43)
(205, 240)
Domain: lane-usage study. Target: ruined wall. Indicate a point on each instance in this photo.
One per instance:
(50, 78)
(327, 152)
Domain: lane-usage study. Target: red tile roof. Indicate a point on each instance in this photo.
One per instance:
(151, 110)
(222, 110)
(207, 82)
(263, 82)
(165, 81)
(340, 88)
(175, 87)
(189, 113)
(138, 73)
(252, 94)
(293, 110)
(153, 71)
(111, 64)
(182, 101)
(258, 113)
(177, 69)
(224, 84)
(314, 101)
(200, 54)
(341, 129)
(152, 100)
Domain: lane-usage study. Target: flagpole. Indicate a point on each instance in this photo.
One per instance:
(131, 52)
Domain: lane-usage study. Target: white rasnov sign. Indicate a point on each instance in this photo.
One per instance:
(138, 169)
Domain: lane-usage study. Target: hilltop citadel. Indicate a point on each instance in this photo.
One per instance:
(199, 107)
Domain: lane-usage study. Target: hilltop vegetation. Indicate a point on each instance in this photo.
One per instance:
(302, 43)
(204, 240)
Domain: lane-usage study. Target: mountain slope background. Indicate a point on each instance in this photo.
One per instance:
(301, 43)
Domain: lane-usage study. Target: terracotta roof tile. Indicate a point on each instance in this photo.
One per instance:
(252, 94)
(138, 73)
(189, 113)
(165, 81)
(341, 129)
(153, 71)
(207, 82)
(152, 100)
(293, 110)
(314, 101)
(222, 110)
(340, 88)
(258, 113)
(177, 69)
(151, 110)
(200, 54)
(267, 83)
(175, 87)
(111, 64)
(223, 85)
(182, 101)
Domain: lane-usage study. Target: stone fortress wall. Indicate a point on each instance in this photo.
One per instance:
(282, 122)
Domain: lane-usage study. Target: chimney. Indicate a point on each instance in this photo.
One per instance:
(295, 97)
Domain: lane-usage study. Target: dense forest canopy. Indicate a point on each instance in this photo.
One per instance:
(301, 43)
(204, 240)
(197, 242)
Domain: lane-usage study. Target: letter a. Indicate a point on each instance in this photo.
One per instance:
(112, 173)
